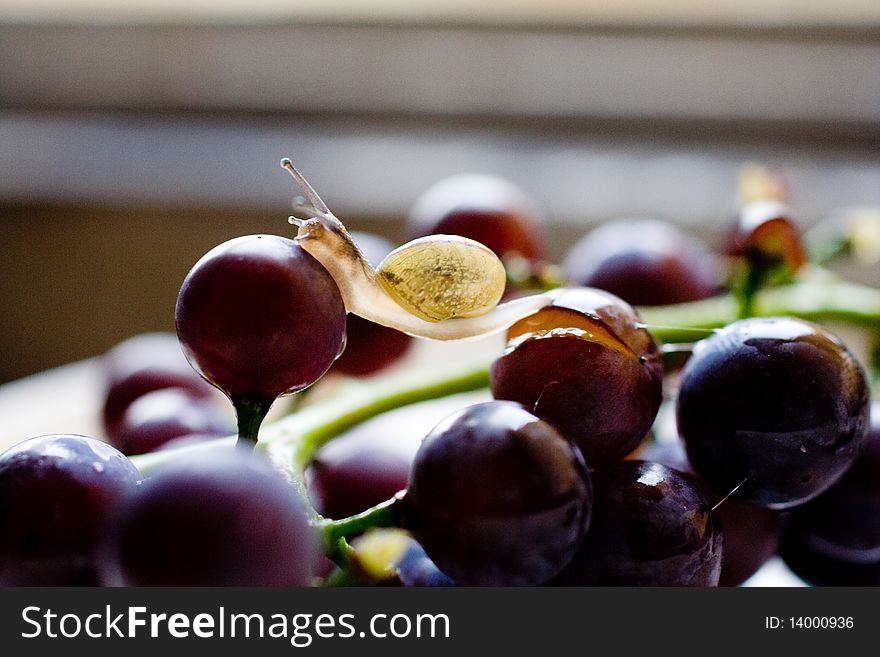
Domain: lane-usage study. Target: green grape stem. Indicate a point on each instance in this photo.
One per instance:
(756, 275)
(250, 413)
(291, 441)
(818, 296)
(385, 514)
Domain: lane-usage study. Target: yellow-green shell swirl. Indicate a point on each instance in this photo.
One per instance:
(439, 277)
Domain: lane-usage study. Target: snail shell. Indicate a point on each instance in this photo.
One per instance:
(439, 287)
(439, 277)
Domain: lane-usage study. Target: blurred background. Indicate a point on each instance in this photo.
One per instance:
(134, 138)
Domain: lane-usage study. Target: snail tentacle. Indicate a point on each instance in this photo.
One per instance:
(310, 194)
(437, 312)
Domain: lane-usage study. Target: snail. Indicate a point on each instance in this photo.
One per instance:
(440, 287)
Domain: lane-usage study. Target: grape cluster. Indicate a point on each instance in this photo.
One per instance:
(553, 468)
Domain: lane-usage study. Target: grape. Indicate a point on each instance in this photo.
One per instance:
(773, 408)
(142, 364)
(751, 537)
(371, 462)
(644, 262)
(585, 365)
(751, 533)
(652, 526)
(259, 317)
(221, 519)
(370, 347)
(834, 540)
(56, 492)
(497, 497)
(485, 208)
(163, 415)
(361, 469)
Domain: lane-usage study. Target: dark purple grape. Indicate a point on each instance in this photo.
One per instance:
(587, 366)
(371, 462)
(56, 492)
(259, 317)
(834, 540)
(751, 538)
(160, 416)
(497, 497)
(223, 519)
(370, 347)
(645, 262)
(142, 364)
(751, 533)
(359, 470)
(485, 208)
(652, 526)
(773, 408)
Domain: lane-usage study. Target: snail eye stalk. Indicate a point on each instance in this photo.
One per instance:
(440, 287)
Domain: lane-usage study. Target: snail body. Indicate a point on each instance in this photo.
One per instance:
(441, 287)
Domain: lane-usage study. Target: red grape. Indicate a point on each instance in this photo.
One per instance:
(223, 519)
(652, 526)
(497, 497)
(157, 417)
(645, 262)
(370, 347)
(485, 208)
(259, 317)
(751, 533)
(141, 364)
(585, 365)
(371, 462)
(56, 492)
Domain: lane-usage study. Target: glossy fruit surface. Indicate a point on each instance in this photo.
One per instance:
(497, 497)
(652, 526)
(370, 347)
(645, 262)
(158, 417)
(485, 208)
(585, 365)
(351, 473)
(371, 462)
(775, 408)
(223, 519)
(56, 492)
(751, 533)
(141, 364)
(259, 317)
(834, 540)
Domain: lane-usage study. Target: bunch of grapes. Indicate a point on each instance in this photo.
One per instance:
(660, 414)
